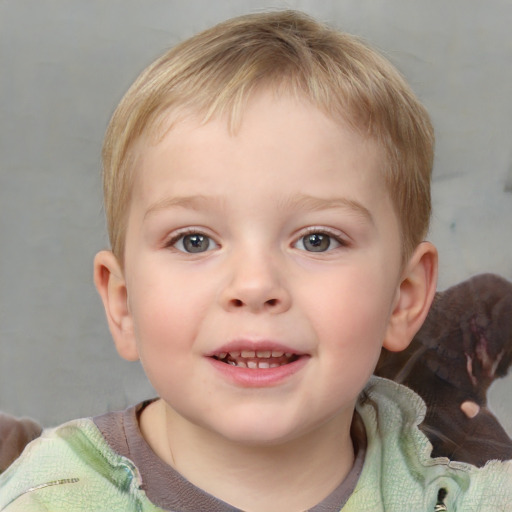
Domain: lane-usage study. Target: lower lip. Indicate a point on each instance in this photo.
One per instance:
(258, 377)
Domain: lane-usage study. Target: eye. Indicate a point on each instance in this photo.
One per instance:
(193, 243)
(317, 241)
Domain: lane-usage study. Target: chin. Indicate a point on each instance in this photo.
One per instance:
(259, 432)
(260, 439)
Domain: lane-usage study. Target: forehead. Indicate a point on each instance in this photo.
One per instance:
(273, 131)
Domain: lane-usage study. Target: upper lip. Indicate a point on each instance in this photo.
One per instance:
(248, 345)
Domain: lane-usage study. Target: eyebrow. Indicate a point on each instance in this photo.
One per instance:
(313, 203)
(195, 202)
(300, 202)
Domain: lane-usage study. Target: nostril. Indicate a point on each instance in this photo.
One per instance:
(237, 303)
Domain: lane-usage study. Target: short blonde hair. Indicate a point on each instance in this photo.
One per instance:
(214, 73)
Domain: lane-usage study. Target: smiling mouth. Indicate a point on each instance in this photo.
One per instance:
(260, 359)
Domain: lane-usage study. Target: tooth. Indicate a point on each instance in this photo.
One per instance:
(277, 353)
(232, 363)
(288, 354)
(222, 355)
(263, 364)
(274, 365)
(248, 353)
(241, 364)
(263, 353)
(236, 353)
(252, 364)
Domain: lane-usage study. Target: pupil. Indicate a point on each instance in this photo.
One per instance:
(196, 243)
(317, 242)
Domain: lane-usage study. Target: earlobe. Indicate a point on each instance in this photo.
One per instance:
(111, 285)
(414, 297)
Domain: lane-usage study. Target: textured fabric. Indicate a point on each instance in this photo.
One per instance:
(399, 474)
(72, 468)
(166, 488)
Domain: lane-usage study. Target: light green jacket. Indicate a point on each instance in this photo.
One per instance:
(71, 468)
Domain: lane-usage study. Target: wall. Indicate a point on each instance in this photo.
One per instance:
(64, 65)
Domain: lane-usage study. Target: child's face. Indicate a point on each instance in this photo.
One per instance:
(245, 248)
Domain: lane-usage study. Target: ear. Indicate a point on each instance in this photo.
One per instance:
(414, 297)
(111, 285)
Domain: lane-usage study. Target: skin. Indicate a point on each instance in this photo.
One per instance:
(258, 195)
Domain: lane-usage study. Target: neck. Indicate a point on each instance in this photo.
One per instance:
(288, 477)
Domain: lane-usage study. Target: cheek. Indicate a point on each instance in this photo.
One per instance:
(168, 310)
(161, 316)
(164, 335)
(352, 313)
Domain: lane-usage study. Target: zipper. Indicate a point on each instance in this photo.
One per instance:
(63, 481)
(440, 505)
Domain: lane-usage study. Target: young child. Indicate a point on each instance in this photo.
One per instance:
(267, 190)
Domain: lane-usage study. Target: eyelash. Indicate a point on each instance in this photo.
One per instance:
(323, 231)
(171, 242)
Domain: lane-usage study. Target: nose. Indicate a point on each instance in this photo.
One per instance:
(255, 283)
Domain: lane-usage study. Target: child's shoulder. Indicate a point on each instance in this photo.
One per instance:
(400, 474)
(72, 467)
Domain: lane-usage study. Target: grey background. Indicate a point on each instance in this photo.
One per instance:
(64, 65)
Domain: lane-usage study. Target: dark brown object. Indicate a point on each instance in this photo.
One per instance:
(15, 434)
(464, 345)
